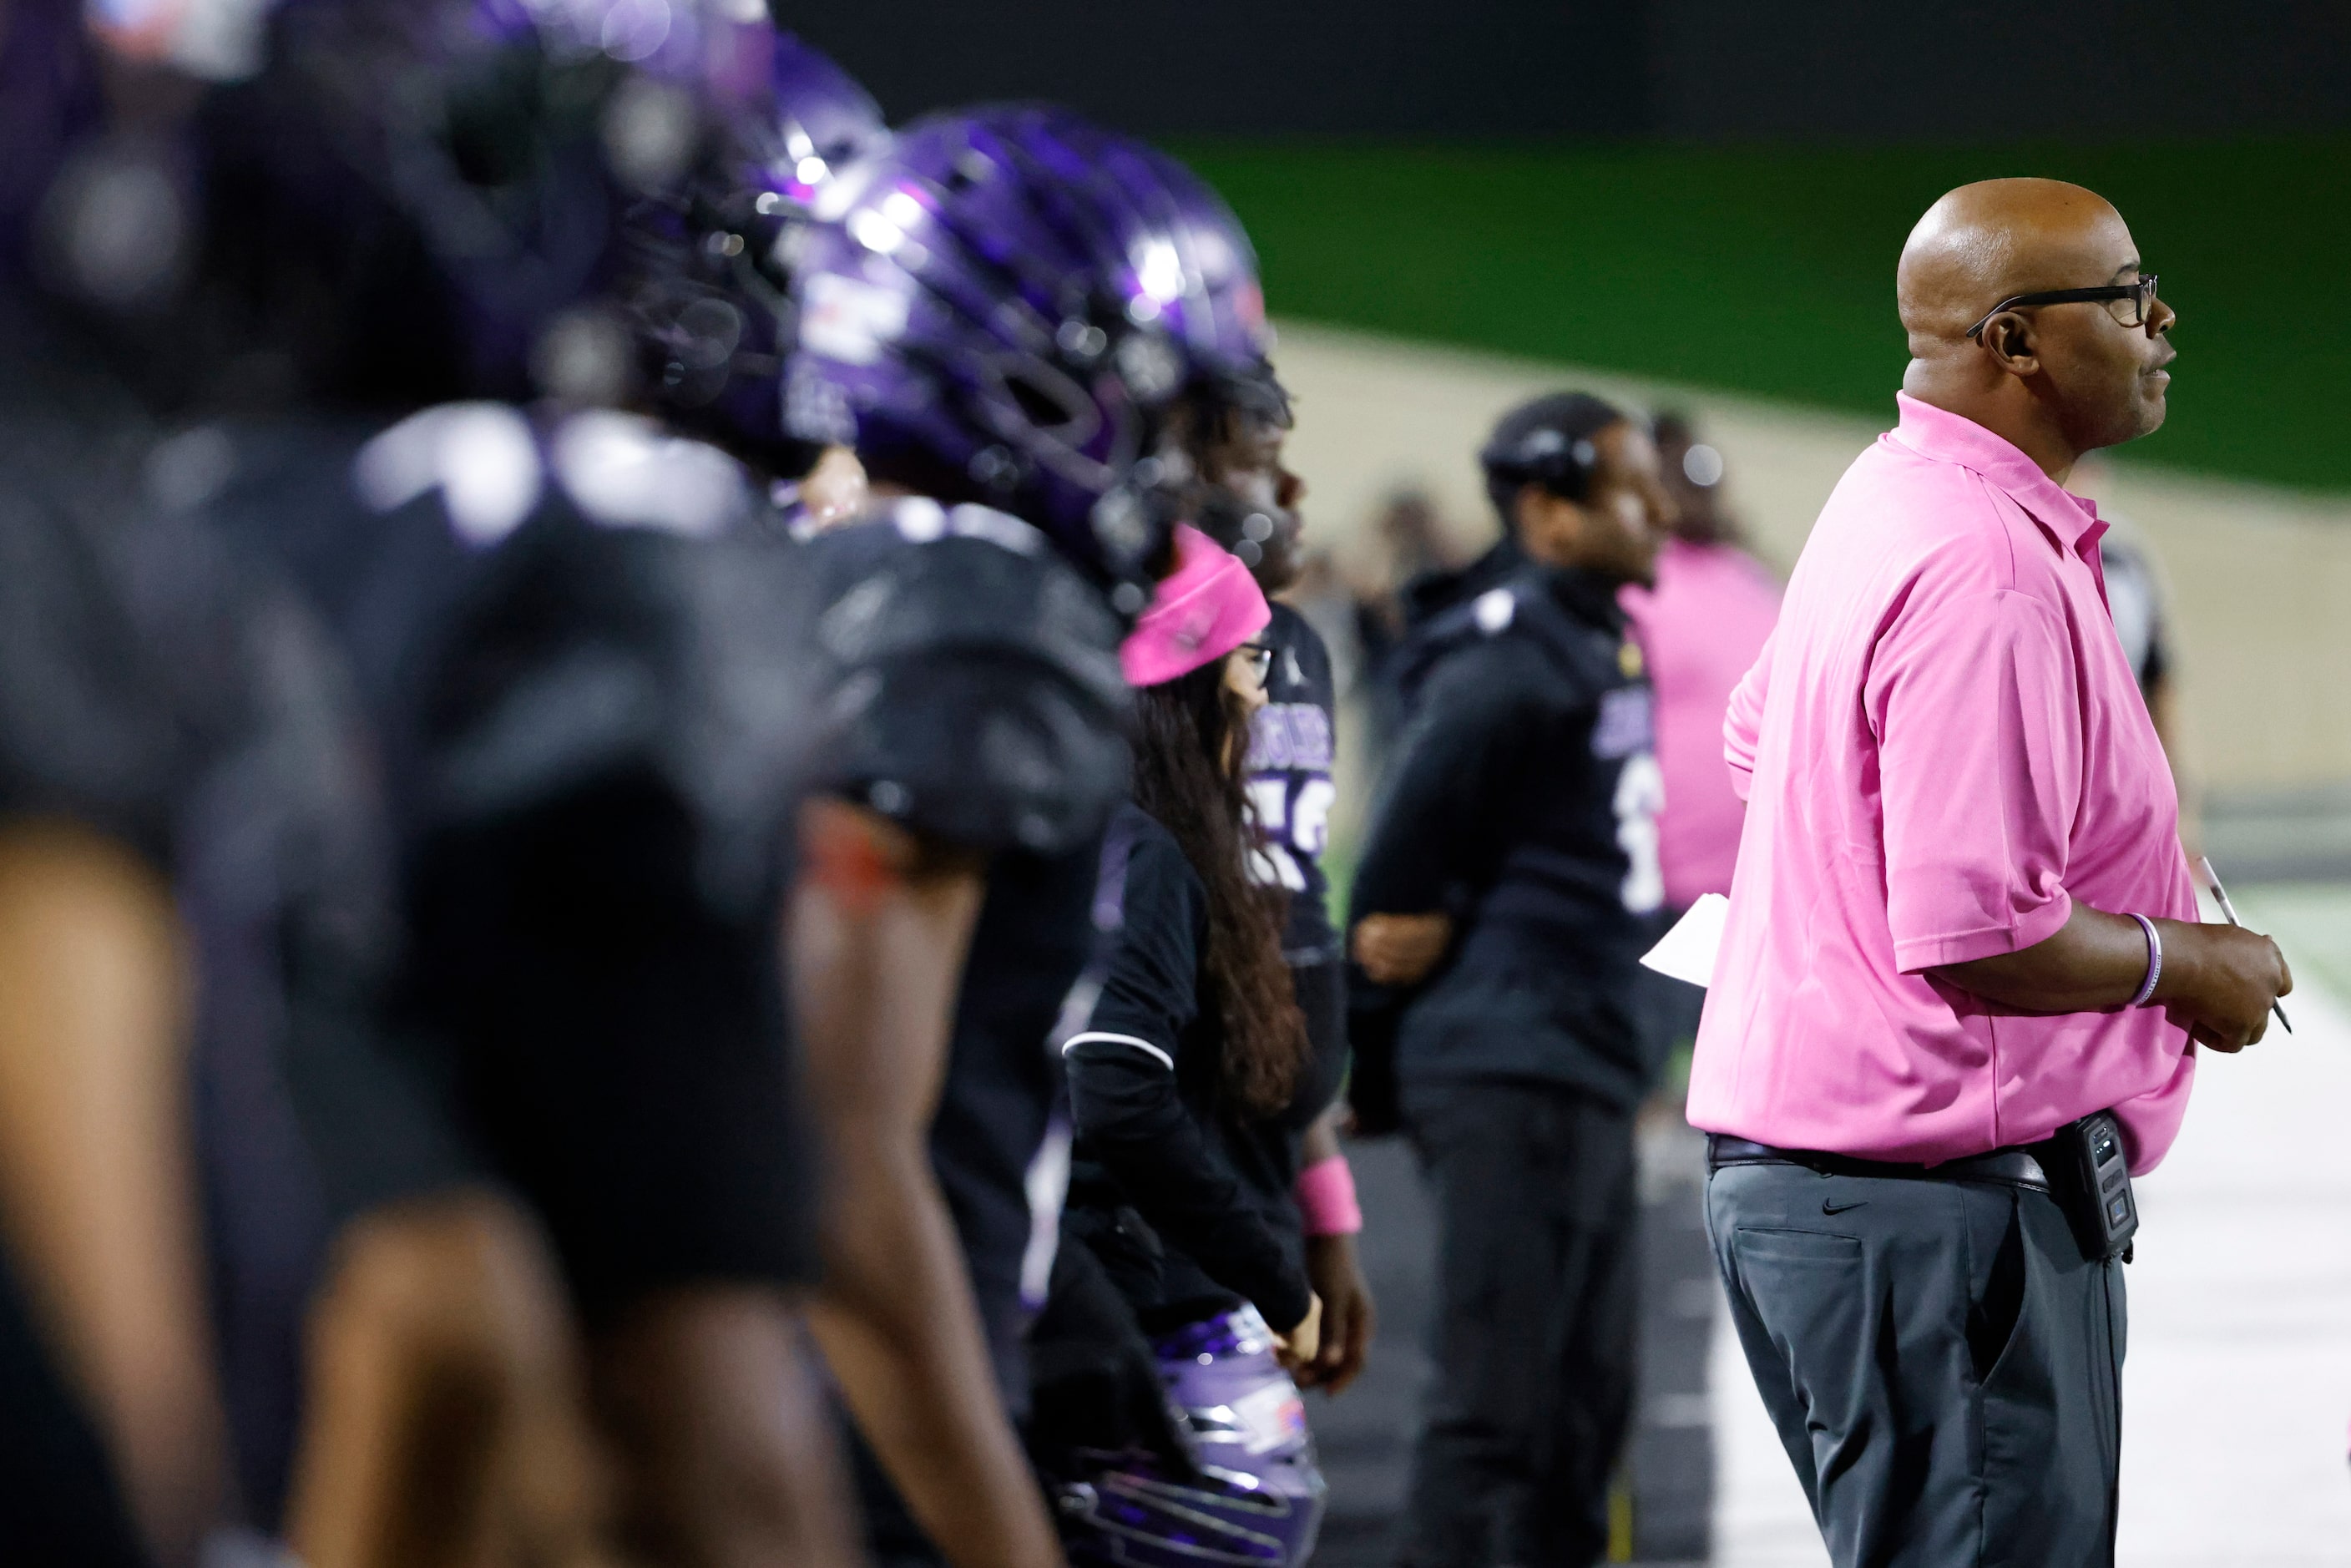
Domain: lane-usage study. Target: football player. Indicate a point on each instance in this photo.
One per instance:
(586, 670)
(1249, 503)
(181, 801)
(1013, 316)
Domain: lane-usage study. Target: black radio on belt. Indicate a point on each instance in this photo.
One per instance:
(2090, 1179)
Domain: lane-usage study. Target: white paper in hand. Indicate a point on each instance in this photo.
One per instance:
(1687, 952)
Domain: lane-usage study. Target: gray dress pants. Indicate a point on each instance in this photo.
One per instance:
(1943, 1368)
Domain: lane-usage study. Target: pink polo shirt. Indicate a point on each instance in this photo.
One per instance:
(1941, 747)
(1700, 628)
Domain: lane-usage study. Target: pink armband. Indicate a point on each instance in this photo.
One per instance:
(1326, 1199)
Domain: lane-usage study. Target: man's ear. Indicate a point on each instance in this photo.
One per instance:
(2014, 344)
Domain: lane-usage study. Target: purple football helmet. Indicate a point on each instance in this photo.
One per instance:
(1008, 305)
(543, 157)
(824, 120)
(1253, 1496)
(708, 290)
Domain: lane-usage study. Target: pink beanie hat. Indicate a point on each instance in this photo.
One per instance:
(1208, 606)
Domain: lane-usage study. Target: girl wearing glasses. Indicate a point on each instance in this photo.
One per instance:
(1181, 1081)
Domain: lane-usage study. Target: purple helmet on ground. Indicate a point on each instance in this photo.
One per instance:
(1009, 306)
(1253, 1496)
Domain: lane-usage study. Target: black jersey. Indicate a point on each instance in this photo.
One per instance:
(1290, 753)
(1034, 936)
(1154, 1133)
(1292, 744)
(979, 701)
(1523, 801)
(84, 736)
(593, 698)
(155, 687)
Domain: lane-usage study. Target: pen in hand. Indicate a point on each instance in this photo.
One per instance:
(2220, 896)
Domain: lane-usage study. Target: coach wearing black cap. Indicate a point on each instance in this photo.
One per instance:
(1504, 890)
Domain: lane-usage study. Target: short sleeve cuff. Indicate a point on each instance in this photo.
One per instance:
(1915, 954)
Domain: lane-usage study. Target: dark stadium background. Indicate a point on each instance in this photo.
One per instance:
(1711, 191)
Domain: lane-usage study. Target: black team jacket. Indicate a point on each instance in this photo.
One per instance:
(1522, 801)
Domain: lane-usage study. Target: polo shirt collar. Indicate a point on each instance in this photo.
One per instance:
(1946, 437)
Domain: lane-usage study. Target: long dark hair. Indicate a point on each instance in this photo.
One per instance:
(1189, 728)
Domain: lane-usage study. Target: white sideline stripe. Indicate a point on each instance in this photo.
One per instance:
(1078, 1040)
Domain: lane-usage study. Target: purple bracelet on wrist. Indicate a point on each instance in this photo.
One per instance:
(2154, 961)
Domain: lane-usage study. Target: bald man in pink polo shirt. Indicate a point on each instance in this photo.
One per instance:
(1960, 924)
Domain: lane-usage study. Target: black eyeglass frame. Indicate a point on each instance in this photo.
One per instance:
(2142, 291)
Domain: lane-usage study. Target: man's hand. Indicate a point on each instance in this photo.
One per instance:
(2220, 982)
(1349, 1317)
(1401, 949)
(1296, 1349)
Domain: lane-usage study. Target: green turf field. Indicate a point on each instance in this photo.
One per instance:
(1769, 270)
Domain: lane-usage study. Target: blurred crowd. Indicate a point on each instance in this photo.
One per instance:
(666, 758)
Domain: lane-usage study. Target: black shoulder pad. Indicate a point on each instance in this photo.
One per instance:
(588, 653)
(977, 697)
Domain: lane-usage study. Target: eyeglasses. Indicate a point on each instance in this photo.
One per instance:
(1260, 660)
(2132, 304)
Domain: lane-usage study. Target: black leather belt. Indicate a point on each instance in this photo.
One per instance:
(2015, 1166)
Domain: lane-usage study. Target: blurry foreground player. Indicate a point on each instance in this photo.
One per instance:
(180, 838)
(945, 641)
(706, 289)
(1186, 1090)
(109, 1397)
(110, 1409)
(1509, 874)
(1249, 503)
(595, 712)
(1013, 316)
(108, 1400)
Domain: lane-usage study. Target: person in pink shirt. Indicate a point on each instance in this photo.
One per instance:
(1962, 930)
(1700, 628)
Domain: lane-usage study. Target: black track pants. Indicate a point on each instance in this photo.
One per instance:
(1537, 1289)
